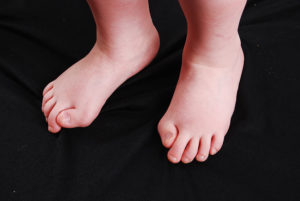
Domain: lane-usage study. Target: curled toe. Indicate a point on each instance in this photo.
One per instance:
(48, 107)
(53, 127)
(190, 151)
(48, 96)
(47, 88)
(177, 149)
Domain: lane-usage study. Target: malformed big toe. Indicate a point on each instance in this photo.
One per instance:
(74, 117)
(168, 133)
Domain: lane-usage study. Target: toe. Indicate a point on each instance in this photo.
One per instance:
(48, 107)
(177, 149)
(53, 127)
(71, 118)
(216, 143)
(47, 97)
(47, 88)
(190, 151)
(203, 148)
(167, 132)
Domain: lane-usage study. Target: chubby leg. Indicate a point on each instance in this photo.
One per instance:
(199, 115)
(126, 42)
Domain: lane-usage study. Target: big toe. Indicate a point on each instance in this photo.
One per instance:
(168, 133)
(72, 118)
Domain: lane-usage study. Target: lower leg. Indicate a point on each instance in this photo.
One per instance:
(201, 108)
(126, 42)
(122, 23)
(212, 27)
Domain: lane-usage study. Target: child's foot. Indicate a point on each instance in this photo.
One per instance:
(76, 97)
(200, 112)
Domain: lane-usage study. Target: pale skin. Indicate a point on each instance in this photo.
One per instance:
(200, 111)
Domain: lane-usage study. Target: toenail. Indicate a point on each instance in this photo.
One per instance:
(172, 158)
(214, 151)
(202, 157)
(50, 128)
(185, 159)
(168, 136)
(66, 117)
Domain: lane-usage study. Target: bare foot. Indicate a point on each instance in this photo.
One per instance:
(76, 97)
(200, 112)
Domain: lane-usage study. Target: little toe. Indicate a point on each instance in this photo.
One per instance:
(53, 127)
(167, 132)
(73, 117)
(48, 87)
(177, 149)
(203, 148)
(48, 107)
(216, 143)
(190, 151)
(47, 97)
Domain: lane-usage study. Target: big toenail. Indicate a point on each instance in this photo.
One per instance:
(50, 128)
(168, 136)
(66, 117)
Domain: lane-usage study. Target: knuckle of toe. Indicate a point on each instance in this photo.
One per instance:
(163, 128)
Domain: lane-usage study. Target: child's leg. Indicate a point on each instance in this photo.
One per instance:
(126, 42)
(200, 112)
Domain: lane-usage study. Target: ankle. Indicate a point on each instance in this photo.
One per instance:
(128, 57)
(121, 43)
(218, 51)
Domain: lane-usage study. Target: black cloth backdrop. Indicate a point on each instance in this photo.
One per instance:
(120, 156)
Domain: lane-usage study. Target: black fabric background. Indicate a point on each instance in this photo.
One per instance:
(120, 156)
